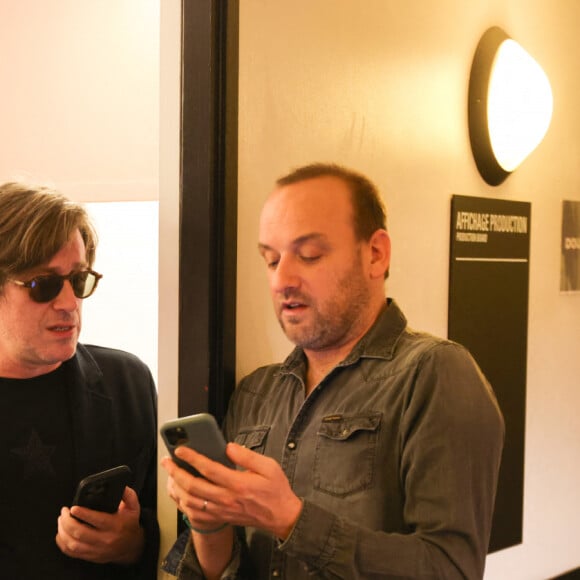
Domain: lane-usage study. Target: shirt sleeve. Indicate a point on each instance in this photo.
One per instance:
(182, 561)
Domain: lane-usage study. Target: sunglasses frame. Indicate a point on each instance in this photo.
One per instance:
(32, 284)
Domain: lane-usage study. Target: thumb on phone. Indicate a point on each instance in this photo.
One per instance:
(130, 500)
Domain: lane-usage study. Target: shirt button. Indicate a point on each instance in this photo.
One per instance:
(275, 573)
(291, 445)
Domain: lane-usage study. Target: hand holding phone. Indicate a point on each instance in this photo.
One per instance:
(201, 433)
(103, 491)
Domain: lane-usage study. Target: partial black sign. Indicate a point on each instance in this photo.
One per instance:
(488, 313)
(570, 263)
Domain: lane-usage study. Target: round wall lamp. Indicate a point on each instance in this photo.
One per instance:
(509, 105)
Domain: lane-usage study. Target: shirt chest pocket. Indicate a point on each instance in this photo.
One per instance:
(344, 461)
(253, 438)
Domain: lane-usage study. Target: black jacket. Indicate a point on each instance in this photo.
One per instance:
(114, 421)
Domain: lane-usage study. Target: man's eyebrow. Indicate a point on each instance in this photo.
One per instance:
(264, 248)
(299, 241)
(312, 237)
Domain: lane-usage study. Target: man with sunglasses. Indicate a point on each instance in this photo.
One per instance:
(67, 410)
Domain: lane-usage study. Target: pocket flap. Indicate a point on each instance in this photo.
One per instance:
(341, 427)
(252, 438)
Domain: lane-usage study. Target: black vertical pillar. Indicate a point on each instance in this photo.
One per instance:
(208, 209)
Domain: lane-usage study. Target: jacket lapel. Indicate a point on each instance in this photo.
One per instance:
(91, 415)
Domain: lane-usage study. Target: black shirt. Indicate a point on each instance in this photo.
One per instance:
(36, 478)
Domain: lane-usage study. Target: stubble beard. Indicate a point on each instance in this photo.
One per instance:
(334, 322)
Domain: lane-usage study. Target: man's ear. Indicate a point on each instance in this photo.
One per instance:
(380, 246)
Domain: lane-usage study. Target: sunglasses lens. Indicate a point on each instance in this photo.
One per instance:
(83, 283)
(46, 288)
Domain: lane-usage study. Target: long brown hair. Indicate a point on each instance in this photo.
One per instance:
(35, 223)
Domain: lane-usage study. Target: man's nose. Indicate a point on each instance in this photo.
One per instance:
(286, 275)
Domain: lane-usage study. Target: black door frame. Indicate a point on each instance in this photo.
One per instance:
(208, 205)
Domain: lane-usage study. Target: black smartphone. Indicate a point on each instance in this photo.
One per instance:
(103, 491)
(200, 432)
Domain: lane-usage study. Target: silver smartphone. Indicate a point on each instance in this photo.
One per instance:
(201, 433)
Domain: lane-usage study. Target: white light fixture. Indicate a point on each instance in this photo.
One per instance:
(509, 106)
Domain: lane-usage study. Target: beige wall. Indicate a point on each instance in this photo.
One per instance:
(381, 85)
(170, 98)
(80, 96)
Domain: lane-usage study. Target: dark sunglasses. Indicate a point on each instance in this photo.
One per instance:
(47, 288)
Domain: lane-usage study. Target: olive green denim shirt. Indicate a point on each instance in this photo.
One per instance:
(395, 454)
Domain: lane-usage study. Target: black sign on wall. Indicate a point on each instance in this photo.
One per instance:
(570, 262)
(488, 313)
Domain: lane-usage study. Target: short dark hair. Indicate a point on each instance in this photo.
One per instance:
(35, 223)
(369, 213)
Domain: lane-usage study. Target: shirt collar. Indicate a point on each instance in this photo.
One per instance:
(379, 342)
